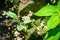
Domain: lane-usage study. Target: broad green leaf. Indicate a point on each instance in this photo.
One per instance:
(53, 22)
(56, 37)
(12, 15)
(53, 34)
(19, 27)
(58, 5)
(48, 10)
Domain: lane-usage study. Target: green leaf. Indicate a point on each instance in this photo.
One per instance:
(53, 34)
(12, 15)
(19, 27)
(58, 5)
(37, 22)
(27, 20)
(53, 22)
(28, 30)
(15, 2)
(48, 10)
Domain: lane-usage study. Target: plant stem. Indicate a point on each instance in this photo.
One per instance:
(30, 33)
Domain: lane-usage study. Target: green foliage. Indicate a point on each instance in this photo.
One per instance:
(48, 10)
(27, 20)
(28, 30)
(53, 34)
(19, 27)
(12, 15)
(37, 22)
(58, 6)
(53, 11)
(15, 2)
(53, 22)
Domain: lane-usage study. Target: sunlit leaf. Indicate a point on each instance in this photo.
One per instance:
(53, 22)
(12, 15)
(58, 5)
(53, 34)
(19, 27)
(47, 10)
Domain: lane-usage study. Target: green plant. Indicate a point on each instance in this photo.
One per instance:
(54, 13)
